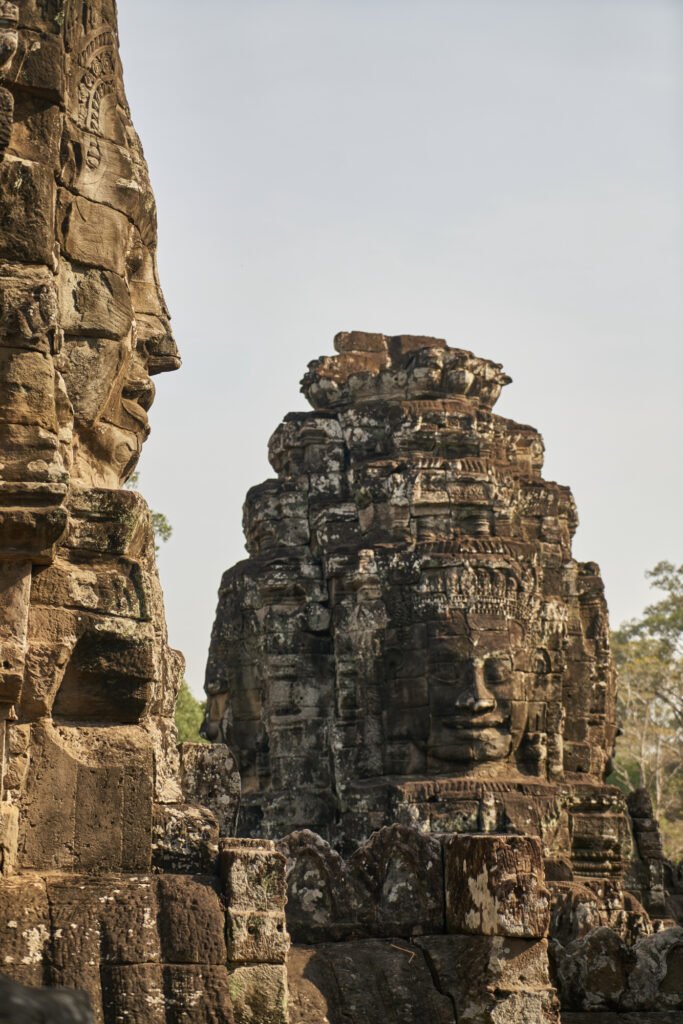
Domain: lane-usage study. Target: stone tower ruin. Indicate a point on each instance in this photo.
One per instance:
(414, 675)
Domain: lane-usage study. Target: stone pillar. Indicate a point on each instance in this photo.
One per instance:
(495, 886)
(255, 890)
(494, 964)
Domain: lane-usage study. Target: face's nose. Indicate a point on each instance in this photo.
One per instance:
(139, 388)
(475, 695)
(162, 351)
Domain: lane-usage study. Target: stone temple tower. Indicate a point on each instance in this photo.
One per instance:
(414, 674)
(410, 631)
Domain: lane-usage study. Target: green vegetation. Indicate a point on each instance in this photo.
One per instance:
(189, 713)
(163, 531)
(649, 656)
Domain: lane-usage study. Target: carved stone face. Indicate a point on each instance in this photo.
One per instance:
(110, 412)
(83, 328)
(476, 714)
(116, 325)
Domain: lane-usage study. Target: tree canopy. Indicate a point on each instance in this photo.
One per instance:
(189, 713)
(163, 531)
(648, 652)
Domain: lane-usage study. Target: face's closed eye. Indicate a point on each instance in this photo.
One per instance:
(497, 671)
(455, 673)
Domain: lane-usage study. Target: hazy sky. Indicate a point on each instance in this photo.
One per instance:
(502, 173)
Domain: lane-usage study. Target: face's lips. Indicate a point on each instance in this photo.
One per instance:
(472, 723)
(135, 410)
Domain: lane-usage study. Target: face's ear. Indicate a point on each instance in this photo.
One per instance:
(515, 634)
(519, 723)
(542, 663)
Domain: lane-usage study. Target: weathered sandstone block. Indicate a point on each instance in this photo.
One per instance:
(600, 972)
(494, 979)
(154, 993)
(259, 994)
(184, 839)
(28, 228)
(25, 928)
(392, 885)
(495, 886)
(210, 777)
(253, 874)
(257, 936)
(370, 980)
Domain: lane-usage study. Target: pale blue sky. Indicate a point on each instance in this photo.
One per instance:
(502, 173)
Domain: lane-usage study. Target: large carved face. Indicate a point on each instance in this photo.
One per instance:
(83, 329)
(115, 320)
(477, 710)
